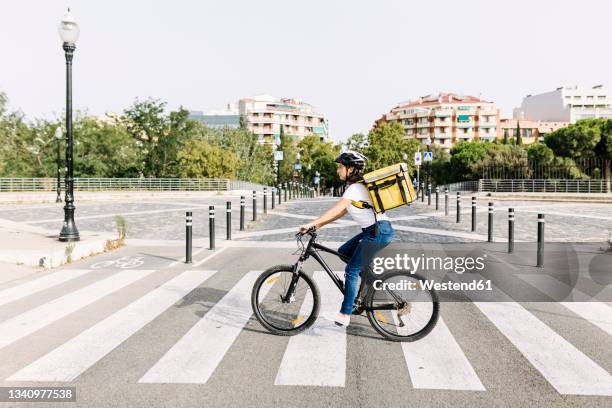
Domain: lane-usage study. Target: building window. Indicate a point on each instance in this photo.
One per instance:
(506, 133)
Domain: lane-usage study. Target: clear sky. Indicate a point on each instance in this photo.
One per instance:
(352, 59)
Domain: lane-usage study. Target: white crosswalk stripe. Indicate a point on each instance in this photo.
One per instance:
(194, 358)
(72, 358)
(597, 313)
(38, 285)
(27, 323)
(437, 362)
(565, 367)
(318, 355)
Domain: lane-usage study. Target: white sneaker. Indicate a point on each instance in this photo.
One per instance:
(337, 318)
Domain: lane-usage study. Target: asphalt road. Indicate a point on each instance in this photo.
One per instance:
(138, 328)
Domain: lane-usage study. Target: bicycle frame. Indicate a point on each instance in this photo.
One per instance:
(311, 250)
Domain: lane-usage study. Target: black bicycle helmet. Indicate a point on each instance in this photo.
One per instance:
(353, 159)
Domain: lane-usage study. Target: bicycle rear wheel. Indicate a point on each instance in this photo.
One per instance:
(279, 314)
(400, 308)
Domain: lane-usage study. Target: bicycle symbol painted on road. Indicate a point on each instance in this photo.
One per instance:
(125, 262)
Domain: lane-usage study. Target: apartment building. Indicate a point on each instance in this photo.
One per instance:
(531, 131)
(446, 119)
(264, 115)
(566, 104)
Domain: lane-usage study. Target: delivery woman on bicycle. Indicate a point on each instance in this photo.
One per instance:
(376, 231)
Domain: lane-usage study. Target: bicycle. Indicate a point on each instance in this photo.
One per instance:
(285, 308)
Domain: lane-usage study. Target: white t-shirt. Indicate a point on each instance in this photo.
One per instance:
(362, 216)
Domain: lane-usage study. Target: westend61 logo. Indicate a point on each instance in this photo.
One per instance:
(459, 264)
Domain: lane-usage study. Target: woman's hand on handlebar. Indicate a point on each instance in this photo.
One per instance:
(306, 228)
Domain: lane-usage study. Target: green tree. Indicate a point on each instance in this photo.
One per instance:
(518, 140)
(387, 145)
(357, 142)
(199, 159)
(575, 141)
(317, 155)
(465, 155)
(289, 148)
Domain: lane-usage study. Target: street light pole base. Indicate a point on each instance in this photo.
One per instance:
(69, 230)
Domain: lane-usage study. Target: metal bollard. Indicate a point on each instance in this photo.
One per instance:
(279, 191)
(290, 188)
(429, 194)
(211, 226)
(242, 208)
(273, 197)
(285, 191)
(265, 200)
(541, 240)
(254, 205)
(490, 232)
(189, 234)
(473, 214)
(437, 198)
(446, 201)
(510, 230)
(422, 192)
(228, 220)
(458, 206)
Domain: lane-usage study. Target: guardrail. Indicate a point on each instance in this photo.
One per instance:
(544, 185)
(470, 186)
(149, 184)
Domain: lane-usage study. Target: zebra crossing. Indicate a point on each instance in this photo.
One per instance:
(314, 358)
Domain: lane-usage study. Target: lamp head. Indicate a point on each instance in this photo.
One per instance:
(58, 133)
(69, 29)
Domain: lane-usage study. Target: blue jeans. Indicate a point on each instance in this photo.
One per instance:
(361, 250)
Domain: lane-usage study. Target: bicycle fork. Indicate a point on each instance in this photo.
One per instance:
(289, 296)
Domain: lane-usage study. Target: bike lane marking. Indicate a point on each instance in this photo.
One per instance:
(565, 367)
(432, 368)
(597, 313)
(194, 358)
(38, 285)
(27, 323)
(317, 357)
(72, 358)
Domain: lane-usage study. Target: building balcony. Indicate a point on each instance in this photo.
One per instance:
(425, 124)
(462, 125)
(443, 113)
(487, 124)
(422, 114)
(438, 122)
(468, 135)
(445, 135)
(422, 135)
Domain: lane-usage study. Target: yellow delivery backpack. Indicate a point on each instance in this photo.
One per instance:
(389, 187)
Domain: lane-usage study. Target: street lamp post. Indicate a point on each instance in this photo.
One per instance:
(428, 143)
(58, 138)
(69, 33)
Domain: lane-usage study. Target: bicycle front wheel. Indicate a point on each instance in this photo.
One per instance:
(400, 308)
(279, 311)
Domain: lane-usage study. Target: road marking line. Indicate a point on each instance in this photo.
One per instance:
(201, 261)
(45, 282)
(318, 355)
(26, 323)
(597, 313)
(432, 368)
(72, 358)
(565, 367)
(194, 358)
(183, 258)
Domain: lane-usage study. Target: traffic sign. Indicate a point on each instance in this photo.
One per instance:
(417, 158)
(427, 156)
(298, 166)
(278, 155)
(317, 180)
